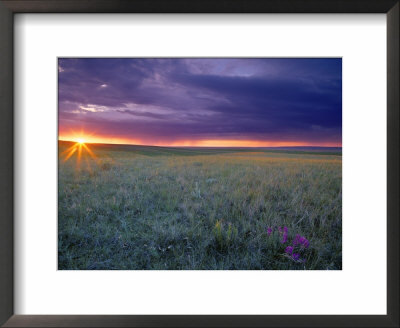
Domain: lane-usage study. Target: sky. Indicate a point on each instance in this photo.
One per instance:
(210, 102)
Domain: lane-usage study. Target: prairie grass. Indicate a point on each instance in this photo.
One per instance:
(140, 208)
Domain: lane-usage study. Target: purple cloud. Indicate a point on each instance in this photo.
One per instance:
(199, 99)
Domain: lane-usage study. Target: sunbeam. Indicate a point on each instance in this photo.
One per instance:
(82, 150)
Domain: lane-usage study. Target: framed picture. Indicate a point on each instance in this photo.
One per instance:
(217, 164)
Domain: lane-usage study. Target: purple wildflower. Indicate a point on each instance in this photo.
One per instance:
(269, 231)
(302, 241)
(289, 250)
(306, 243)
(285, 229)
(296, 240)
(280, 229)
(284, 238)
(295, 256)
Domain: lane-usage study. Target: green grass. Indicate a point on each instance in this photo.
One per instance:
(138, 207)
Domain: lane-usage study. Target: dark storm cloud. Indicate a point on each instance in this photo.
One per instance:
(185, 99)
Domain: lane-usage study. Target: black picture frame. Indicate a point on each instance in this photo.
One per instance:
(10, 7)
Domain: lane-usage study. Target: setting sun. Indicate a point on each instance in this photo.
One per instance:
(81, 141)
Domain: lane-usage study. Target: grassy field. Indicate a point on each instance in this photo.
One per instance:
(138, 207)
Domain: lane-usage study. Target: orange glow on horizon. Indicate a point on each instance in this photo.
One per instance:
(91, 138)
(247, 143)
(85, 137)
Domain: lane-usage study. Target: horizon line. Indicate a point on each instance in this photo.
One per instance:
(183, 146)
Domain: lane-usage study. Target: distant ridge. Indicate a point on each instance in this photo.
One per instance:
(308, 148)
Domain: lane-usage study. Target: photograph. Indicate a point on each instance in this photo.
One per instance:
(205, 163)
